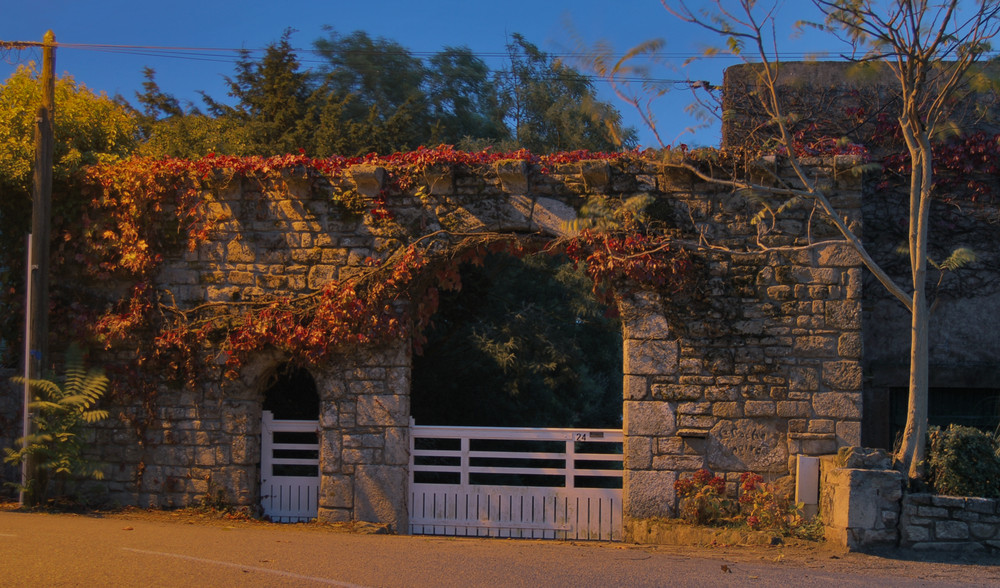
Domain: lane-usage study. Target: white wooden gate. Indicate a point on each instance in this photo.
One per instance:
(289, 469)
(526, 483)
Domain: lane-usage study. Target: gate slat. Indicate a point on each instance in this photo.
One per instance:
(288, 499)
(550, 512)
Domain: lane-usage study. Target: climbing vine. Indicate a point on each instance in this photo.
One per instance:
(139, 210)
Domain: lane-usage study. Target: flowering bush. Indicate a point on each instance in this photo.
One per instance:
(764, 508)
(703, 498)
(760, 507)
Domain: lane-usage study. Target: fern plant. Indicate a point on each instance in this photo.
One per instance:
(55, 448)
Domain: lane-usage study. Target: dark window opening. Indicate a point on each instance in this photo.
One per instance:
(292, 395)
(972, 407)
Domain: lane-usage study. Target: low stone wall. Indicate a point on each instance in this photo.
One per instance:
(859, 499)
(949, 523)
(863, 507)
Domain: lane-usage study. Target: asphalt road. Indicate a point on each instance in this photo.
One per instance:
(72, 550)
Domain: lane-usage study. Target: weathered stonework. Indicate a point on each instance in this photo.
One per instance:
(759, 362)
(864, 507)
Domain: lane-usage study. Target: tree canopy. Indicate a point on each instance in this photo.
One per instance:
(374, 95)
(89, 128)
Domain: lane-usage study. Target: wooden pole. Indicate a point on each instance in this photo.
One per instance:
(41, 218)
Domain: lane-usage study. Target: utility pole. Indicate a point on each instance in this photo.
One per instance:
(37, 316)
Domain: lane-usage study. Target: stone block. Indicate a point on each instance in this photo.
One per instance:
(948, 501)
(811, 275)
(677, 392)
(981, 505)
(649, 418)
(678, 462)
(637, 387)
(330, 451)
(397, 446)
(747, 445)
(759, 408)
(843, 314)
(333, 515)
(643, 317)
(815, 346)
(669, 446)
(849, 346)
(360, 456)
(849, 432)
(383, 410)
(336, 491)
(697, 408)
(239, 252)
(951, 530)
(638, 453)
(727, 410)
(688, 421)
(380, 495)
(838, 256)
(842, 375)
(982, 531)
(649, 494)
(722, 393)
(793, 408)
(650, 357)
(933, 512)
(803, 379)
(837, 405)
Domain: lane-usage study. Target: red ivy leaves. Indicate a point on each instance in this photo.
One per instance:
(966, 168)
(645, 259)
(141, 207)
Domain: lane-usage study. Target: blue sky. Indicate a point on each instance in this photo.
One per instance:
(422, 27)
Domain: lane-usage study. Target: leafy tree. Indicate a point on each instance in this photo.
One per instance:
(89, 128)
(523, 343)
(385, 83)
(271, 99)
(930, 48)
(463, 98)
(171, 130)
(552, 107)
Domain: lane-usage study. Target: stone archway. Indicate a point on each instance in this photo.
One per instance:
(290, 446)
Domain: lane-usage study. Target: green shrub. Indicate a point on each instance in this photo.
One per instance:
(962, 461)
(56, 446)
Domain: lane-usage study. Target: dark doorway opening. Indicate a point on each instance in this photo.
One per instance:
(292, 395)
(524, 343)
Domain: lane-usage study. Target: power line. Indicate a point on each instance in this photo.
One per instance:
(232, 55)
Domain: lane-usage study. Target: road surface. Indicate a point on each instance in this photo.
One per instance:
(87, 550)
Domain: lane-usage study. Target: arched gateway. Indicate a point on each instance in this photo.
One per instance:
(289, 447)
(759, 363)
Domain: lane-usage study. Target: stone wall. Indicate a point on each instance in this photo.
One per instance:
(762, 365)
(863, 506)
(949, 523)
(859, 499)
(839, 100)
(963, 346)
(760, 361)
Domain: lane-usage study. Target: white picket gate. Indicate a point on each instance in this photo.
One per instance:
(289, 469)
(523, 483)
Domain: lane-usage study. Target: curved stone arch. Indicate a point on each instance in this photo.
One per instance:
(790, 357)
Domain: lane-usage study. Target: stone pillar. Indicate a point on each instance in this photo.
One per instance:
(649, 424)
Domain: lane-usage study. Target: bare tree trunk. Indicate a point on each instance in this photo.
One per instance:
(912, 452)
